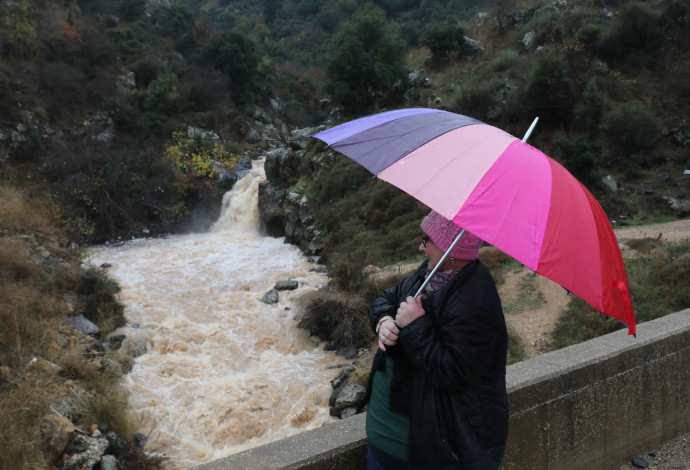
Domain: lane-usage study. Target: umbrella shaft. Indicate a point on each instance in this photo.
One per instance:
(443, 258)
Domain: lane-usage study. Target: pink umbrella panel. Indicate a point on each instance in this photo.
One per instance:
(503, 190)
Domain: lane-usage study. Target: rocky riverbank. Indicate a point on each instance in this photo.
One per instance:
(63, 441)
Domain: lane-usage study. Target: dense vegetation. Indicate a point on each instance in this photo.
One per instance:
(93, 91)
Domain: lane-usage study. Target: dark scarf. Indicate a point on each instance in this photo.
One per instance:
(439, 280)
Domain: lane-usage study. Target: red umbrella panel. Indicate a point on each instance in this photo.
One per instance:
(500, 188)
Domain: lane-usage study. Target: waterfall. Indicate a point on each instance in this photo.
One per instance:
(226, 372)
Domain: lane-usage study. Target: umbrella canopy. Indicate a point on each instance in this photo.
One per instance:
(501, 189)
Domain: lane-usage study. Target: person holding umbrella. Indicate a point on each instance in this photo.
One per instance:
(437, 394)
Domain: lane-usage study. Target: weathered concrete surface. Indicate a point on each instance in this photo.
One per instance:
(596, 404)
(592, 405)
(335, 446)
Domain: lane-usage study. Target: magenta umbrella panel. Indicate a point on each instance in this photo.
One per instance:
(501, 189)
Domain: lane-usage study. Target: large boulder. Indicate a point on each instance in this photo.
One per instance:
(83, 324)
(289, 284)
(347, 397)
(270, 297)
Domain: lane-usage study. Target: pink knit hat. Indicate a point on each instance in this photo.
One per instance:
(443, 234)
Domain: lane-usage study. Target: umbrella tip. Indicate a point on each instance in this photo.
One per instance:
(529, 131)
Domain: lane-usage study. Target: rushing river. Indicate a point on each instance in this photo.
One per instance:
(227, 372)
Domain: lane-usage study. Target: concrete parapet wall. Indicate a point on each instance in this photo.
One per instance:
(598, 404)
(591, 405)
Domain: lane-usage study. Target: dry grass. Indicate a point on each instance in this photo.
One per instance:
(34, 292)
(23, 405)
(21, 214)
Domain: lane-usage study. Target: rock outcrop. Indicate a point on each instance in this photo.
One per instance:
(283, 204)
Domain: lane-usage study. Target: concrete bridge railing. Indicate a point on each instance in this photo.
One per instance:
(592, 405)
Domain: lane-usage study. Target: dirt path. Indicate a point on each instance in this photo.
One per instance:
(533, 304)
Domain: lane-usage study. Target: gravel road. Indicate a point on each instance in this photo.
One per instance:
(673, 455)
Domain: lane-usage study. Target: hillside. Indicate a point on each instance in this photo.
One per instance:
(132, 118)
(95, 94)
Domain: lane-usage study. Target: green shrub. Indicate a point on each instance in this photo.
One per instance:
(590, 108)
(580, 322)
(658, 281)
(657, 278)
(100, 300)
(631, 130)
(165, 95)
(634, 39)
(445, 40)
(365, 61)
(478, 97)
(550, 91)
(543, 23)
(506, 59)
(236, 57)
(581, 156)
(342, 320)
(589, 36)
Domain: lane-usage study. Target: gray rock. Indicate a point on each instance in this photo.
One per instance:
(419, 78)
(128, 80)
(270, 297)
(342, 376)
(476, 45)
(680, 206)
(118, 446)
(140, 439)
(349, 396)
(82, 324)
(108, 462)
(94, 449)
(480, 18)
(609, 183)
(114, 342)
(289, 284)
(347, 412)
(193, 132)
(302, 137)
(528, 39)
(135, 346)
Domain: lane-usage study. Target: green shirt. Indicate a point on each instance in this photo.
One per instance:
(387, 430)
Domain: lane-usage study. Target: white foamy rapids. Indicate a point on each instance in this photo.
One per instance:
(227, 372)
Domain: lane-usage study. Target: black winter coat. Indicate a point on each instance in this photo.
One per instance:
(449, 371)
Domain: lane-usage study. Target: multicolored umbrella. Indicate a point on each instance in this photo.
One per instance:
(500, 188)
